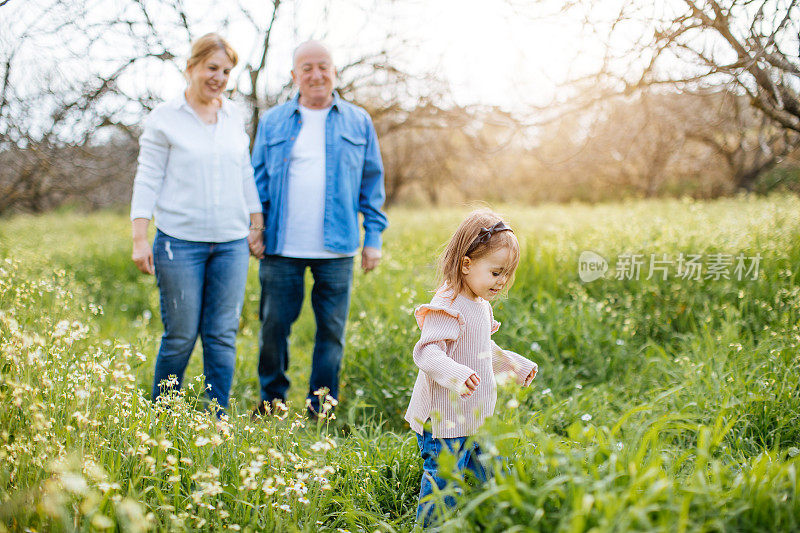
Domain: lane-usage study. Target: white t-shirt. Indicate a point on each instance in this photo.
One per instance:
(306, 196)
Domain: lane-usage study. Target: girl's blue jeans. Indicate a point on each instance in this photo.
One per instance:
(201, 287)
(467, 454)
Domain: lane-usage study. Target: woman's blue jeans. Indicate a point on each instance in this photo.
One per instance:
(202, 291)
(467, 454)
(282, 292)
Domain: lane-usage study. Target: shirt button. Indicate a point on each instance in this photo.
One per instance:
(284, 160)
(291, 138)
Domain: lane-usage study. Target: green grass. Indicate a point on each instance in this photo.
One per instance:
(666, 405)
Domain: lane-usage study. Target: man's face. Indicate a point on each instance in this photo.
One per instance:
(314, 74)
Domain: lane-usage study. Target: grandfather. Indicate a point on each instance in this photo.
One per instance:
(317, 165)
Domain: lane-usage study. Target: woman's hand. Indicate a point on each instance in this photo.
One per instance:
(471, 384)
(255, 240)
(143, 256)
(255, 237)
(142, 253)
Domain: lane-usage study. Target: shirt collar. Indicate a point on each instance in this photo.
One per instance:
(295, 102)
(180, 103)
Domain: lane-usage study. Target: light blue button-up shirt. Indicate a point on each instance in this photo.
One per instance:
(353, 175)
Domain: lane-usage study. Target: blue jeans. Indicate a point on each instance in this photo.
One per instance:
(467, 454)
(282, 292)
(201, 286)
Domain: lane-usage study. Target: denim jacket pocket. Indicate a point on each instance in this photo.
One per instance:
(353, 150)
(354, 138)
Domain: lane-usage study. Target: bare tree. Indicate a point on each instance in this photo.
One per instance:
(74, 102)
(53, 122)
(746, 48)
(255, 71)
(625, 147)
(746, 140)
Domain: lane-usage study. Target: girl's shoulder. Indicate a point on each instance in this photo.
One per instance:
(444, 293)
(442, 302)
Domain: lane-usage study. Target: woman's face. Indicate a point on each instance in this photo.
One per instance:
(208, 78)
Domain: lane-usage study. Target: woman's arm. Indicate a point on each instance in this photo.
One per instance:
(150, 172)
(255, 236)
(142, 253)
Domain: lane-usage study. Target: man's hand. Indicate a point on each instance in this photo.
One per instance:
(255, 241)
(370, 257)
(531, 375)
(471, 384)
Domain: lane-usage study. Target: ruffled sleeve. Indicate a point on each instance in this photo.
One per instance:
(441, 326)
(422, 311)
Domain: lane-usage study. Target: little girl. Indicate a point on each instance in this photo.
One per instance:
(456, 388)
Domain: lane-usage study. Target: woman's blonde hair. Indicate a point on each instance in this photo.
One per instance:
(465, 242)
(206, 45)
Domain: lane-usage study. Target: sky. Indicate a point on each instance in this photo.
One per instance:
(484, 49)
(487, 52)
(511, 53)
(506, 53)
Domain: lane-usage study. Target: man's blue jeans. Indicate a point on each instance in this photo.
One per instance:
(282, 292)
(467, 454)
(202, 291)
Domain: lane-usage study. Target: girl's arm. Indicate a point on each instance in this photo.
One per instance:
(430, 353)
(507, 361)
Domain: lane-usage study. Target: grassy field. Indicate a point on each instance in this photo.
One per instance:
(662, 404)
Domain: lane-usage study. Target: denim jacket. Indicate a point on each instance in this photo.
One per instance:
(353, 175)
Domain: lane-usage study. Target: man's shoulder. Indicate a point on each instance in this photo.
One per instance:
(277, 113)
(351, 110)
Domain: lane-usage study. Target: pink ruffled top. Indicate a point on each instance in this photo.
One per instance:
(454, 344)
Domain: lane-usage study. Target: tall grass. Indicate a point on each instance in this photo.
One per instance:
(661, 404)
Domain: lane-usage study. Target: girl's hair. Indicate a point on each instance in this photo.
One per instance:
(464, 243)
(206, 45)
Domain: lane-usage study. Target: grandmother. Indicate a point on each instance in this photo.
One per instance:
(194, 175)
